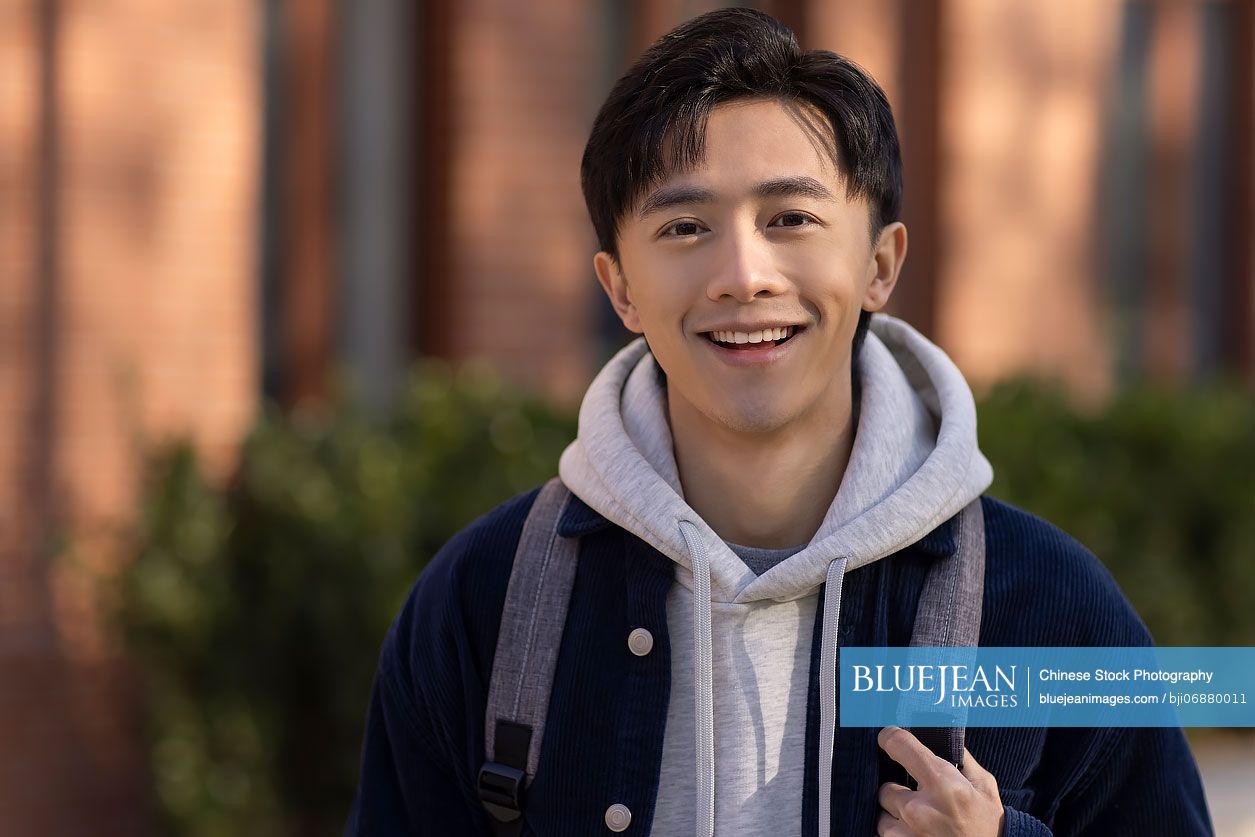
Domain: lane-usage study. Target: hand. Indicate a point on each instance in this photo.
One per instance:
(948, 802)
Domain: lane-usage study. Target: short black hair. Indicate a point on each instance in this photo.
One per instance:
(723, 56)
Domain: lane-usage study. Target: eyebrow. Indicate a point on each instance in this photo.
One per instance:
(779, 187)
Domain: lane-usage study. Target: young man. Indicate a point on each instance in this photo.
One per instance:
(767, 474)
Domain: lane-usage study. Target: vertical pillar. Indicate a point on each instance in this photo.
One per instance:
(307, 239)
(1173, 75)
(505, 248)
(1239, 280)
(373, 116)
(915, 298)
(433, 69)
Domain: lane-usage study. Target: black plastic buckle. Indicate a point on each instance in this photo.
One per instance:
(501, 791)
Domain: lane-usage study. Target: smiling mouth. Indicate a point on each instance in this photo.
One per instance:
(739, 341)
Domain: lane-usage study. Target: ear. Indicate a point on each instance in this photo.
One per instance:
(616, 288)
(886, 264)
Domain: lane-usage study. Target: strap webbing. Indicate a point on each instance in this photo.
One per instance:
(949, 615)
(532, 621)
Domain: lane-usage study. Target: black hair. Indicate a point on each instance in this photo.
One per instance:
(722, 56)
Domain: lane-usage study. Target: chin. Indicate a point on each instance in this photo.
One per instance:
(751, 419)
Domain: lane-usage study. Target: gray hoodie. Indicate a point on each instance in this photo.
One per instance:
(741, 642)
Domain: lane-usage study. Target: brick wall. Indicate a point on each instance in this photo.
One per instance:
(129, 177)
(522, 94)
(1009, 284)
(126, 312)
(1021, 141)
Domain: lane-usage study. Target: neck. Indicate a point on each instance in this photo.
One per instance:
(767, 489)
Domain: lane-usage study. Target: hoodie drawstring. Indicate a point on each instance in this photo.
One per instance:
(704, 694)
(828, 690)
(703, 680)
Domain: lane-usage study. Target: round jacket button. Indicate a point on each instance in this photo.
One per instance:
(641, 642)
(618, 817)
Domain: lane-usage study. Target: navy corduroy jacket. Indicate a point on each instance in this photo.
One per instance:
(424, 741)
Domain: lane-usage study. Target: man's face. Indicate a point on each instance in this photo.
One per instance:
(759, 234)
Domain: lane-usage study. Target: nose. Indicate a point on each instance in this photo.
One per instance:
(745, 268)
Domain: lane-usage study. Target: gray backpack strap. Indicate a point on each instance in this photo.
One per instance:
(949, 614)
(532, 620)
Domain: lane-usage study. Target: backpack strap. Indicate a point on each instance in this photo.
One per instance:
(949, 616)
(534, 615)
(532, 620)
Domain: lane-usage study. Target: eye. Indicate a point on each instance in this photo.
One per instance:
(683, 229)
(793, 219)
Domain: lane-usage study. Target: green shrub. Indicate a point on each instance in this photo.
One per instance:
(256, 611)
(1159, 485)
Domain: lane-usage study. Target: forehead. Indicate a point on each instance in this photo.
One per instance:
(760, 139)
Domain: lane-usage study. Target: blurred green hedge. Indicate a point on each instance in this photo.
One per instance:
(256, 612)
(1159, 484)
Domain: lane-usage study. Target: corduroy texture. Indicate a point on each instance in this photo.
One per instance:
(424, 738)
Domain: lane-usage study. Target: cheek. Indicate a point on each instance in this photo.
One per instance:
(825, 272)
(662, 291)
(835, 296)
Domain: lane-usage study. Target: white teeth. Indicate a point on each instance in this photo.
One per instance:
(764, 335)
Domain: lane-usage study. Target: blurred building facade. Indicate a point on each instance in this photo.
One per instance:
(209, 203)
(128, 166)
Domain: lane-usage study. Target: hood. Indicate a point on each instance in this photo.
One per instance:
(914, 464)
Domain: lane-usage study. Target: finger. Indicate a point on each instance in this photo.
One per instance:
(908, 751)
(980, 778)
(888, 826)
(892, 797)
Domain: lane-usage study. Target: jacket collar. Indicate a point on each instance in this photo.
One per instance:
(940, 542)
(578, 519)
